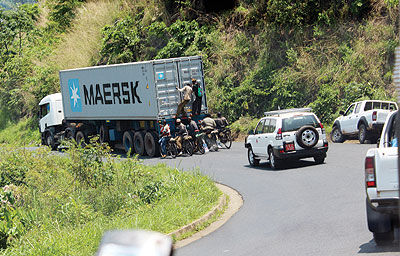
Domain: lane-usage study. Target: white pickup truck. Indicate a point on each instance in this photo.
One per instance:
(382, 185)
(363, 119)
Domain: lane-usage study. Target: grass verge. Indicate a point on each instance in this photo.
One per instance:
(62, 205)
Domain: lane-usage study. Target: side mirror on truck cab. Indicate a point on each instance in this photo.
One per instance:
(251, 132)
(341, 112)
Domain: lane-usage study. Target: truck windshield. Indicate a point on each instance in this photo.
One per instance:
(294, 123)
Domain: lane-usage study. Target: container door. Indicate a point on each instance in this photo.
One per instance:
(166, 80)
(189, 68)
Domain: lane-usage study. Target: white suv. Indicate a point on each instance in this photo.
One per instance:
(287, 134)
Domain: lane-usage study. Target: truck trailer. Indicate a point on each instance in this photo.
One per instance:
(121, 103)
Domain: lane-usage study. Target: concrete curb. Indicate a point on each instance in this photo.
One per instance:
(234, 204)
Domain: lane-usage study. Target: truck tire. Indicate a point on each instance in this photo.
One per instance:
(50, 141)
(138, 142)
(127, 142)
(151, 144)
(104, 134)
(81, 138)
(362, 133)
(383, 239)
(336, 135)
(307, 136)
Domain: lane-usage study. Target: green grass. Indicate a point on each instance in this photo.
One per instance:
(65, 204)
(25, 132)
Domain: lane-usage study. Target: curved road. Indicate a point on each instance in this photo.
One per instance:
(305, 209)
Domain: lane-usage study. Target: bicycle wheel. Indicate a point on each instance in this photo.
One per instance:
(188, 147)
(228, 142)
(200, 146)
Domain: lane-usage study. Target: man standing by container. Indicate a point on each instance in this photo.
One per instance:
(187, 92)
(198, 93)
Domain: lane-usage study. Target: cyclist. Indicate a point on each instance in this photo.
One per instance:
(180, 132)
(221, 122)
(192, 127)
(165, 134)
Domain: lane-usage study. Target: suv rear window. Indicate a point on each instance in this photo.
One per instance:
(294, 123)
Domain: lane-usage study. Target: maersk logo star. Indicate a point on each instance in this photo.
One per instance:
(75, 95)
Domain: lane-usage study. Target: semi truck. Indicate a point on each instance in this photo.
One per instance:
(121, 103)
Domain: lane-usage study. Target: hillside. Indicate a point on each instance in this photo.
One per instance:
(259, 55)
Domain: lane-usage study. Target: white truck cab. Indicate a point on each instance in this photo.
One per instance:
(50, 111)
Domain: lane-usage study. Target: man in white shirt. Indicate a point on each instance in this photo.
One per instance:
(187, 93)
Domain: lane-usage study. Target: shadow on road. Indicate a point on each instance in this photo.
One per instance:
(265, 166)
(370, 247)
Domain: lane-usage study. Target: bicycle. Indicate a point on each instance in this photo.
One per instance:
(225, 137)
(198, 143)
(187, 145)
(171, 148)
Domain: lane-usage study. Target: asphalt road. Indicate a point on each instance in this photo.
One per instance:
(304, 209)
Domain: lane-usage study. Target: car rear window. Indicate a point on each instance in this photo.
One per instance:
(295, 122)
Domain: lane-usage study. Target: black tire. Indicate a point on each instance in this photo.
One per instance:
(200, 146)
(104, 135)
(81, 138)
(172, 150)
(138, 142)
(362, 133)
(50, 141)
(127, 142)
(228, 143)
(336, 135)
(383, 239)
(273, 161)
(252, 159)
(151, 144)
(307, 136)
(69, 134)
(319, 159)
(187, 147)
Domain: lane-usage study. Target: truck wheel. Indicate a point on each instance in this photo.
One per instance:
(252, 159)
(382, 239)
(138, 142)
(50, 141)
(307, 137)
(362, 133)
(336, 135)
(104, 134)
(81, 139)
(127, 141)
(151, 144)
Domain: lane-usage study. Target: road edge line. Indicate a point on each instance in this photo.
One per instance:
(234, 204)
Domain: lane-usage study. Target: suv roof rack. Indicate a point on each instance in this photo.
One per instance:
(284, 111)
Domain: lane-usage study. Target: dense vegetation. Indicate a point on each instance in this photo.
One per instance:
(60, 205)
(259, 55)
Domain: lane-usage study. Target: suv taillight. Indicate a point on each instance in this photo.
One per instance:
(322, 128)
(374, 115)
(370, 172)
(279, 134)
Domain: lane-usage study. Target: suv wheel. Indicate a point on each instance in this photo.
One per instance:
(252, 159)
(336, 135)
(362, 133)
(273, 161)
(307, 137)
